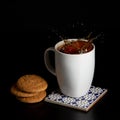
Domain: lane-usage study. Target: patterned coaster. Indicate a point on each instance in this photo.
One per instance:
(83, 103)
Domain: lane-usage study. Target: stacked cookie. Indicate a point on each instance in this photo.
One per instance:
(30, 88)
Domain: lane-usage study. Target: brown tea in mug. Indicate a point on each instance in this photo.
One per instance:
(75, 47)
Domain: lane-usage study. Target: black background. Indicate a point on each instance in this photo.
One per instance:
(28, 28)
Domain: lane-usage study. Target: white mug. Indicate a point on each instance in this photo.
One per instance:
(74, 72)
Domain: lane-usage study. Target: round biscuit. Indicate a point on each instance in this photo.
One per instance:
(32, 83)
(17, 92)
(34, 99)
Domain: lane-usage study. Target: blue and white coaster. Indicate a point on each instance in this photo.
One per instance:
(81, 103)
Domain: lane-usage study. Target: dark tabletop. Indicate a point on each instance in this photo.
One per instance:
(25, 34)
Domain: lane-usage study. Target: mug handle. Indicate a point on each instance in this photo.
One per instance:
(48, 65)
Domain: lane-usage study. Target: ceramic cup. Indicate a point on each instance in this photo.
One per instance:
(74, 72)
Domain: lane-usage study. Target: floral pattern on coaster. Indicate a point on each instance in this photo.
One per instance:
(82, 103)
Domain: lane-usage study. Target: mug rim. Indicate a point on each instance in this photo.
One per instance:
(71, 39)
